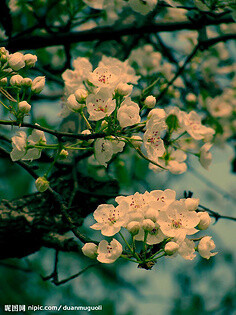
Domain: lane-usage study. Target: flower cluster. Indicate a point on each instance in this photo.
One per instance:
(164, 225)
(14, 86)
(104, 95)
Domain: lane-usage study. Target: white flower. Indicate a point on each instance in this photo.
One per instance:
(171, 248)
(124, 89)
(193, 125)
(205, 220)
(136, 141)
(16, 80)
(191, 204)
(108, 253)
(80, 95)
(38, 84)
(152, 140)
(156, 115)
(100, 105)
(187, 249)
(90, 250)
(19, 146)
(150, 101)
(26, 82)
(205, 246)
(176, 163)
(127, 73)
(30, 60)
(103, 151)
(218, 107)
(105, 76)
(24, 107)
(72, 103)
(109, 218)
(16, 61)
(74, 78)
(117, 145)
(134, 202)
(148, 225)
(161, 199)
(142, 7)
(36, 137)
(155, 236)
(128, 113)
(42, 184)
(177, 221)
(133, 227)
(205, 156)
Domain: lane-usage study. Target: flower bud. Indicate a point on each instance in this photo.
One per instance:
(190, 97)
(205, 220)
(3, 81)
(38, 84)
(150, 101)
(72, 104)
(171, 248)
(26, 82)
(148, 225)
(16, 80)
(205, 158)
(80, 95)
(24, 107)
(133, 227)
(205, 246)
(41, 184)
(191, 203)
(151, 214)
(16, 61)
(63, 154)
(124, 89)
(30, 60)
(90, 250)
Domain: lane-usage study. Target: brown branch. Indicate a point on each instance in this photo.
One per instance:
(107, 33)
(216, 215)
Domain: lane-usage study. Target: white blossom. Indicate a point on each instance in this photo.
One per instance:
(90, 250)
(205, 156)
(24, 107)
(108, 253)
(128, 113)
(205, 246)
(16, 61)
(205, 220)
(38, 84)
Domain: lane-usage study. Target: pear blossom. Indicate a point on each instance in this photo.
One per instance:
(36, 137)
(108, 253)
(171, 248)
(38, 84)
(155, 236)
(150, 101)
(205, 157)
(205, 220)
(103, 151)
(187, 249)
(90, 250)
(74, 78)
(127, 73)
(128, 113)
(205, 246)
(80, 95)
(107, 77)
(16, 80)
(194, 127)
(124, 89)
(177, 221)
(109, 218)
(152, 140)
(72, 104)
(16, 61)
(117, 144)
(24, 107)
(133, 227)
(160, 199)
(156, 115)
(100, 105)
(191, 204)
(30, 60)
(19, 146)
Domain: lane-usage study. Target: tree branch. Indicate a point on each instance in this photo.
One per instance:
(107, 33)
